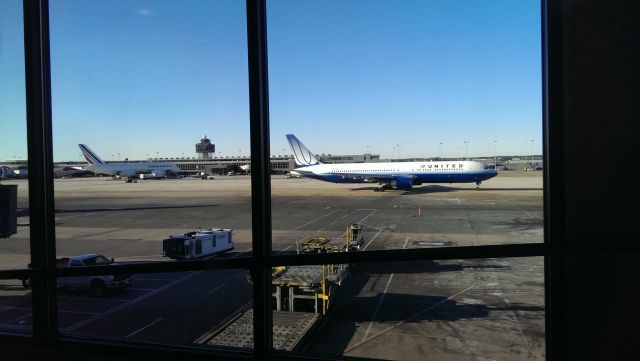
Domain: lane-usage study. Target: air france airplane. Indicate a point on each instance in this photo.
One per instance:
(129, 170)
(400, 175)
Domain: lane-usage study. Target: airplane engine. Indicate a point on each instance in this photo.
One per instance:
(404, 183)
(158, 174)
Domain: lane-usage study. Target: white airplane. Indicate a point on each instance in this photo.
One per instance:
(129, 170)
(400, 175)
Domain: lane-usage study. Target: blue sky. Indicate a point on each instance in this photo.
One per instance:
(393, 77)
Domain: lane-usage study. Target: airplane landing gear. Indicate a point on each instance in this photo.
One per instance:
(477, 185)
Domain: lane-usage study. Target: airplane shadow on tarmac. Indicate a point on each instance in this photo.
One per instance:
(416, 190)
(131, 208)
(439, 189)
(428, 266)
(434, 188)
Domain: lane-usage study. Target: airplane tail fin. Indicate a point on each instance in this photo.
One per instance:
(301, 154)
(89, 155)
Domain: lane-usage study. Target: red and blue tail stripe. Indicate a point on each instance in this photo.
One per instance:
(90, 156)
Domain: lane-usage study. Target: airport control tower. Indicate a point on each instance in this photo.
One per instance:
(205, 148)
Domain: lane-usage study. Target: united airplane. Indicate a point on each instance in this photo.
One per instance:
(129, 170)
(400, 175)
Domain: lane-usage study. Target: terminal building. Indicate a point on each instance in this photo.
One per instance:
(280, 164)
(207, 163)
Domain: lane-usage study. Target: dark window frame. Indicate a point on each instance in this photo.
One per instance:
(43, 273)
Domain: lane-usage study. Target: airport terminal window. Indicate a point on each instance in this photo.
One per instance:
(409, 84)
(172, 80)
(15, 299)
(303, 228)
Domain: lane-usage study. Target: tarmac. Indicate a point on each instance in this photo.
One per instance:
(491, 309)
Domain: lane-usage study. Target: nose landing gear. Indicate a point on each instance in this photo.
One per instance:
(478, 185)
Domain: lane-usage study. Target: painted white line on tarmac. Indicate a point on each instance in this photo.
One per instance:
(367, 216)
(349, 349)
(212, 291)
(140, 289)
(126, 304)
(74, 216)
(374, 237)
(143, 328)
(316, 219)
(80, 312)
(286, 248)
(386, 289)
(375, 313)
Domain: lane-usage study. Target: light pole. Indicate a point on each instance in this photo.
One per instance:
(531, 140)
(441, 149)
(466, 149)
(495, 159)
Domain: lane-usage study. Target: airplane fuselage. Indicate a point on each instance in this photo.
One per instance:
(418, 172)
(133, 169)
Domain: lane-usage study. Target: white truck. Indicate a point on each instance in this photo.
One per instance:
(97, 285)
(198, 244)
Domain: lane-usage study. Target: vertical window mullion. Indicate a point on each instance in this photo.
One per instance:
(40, 152)
(260, 175)
(554, 210)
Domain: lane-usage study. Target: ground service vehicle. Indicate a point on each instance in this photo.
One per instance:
(197, 244)
(97, 285)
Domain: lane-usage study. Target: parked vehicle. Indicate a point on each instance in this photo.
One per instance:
(197, 244)
(97, 285)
